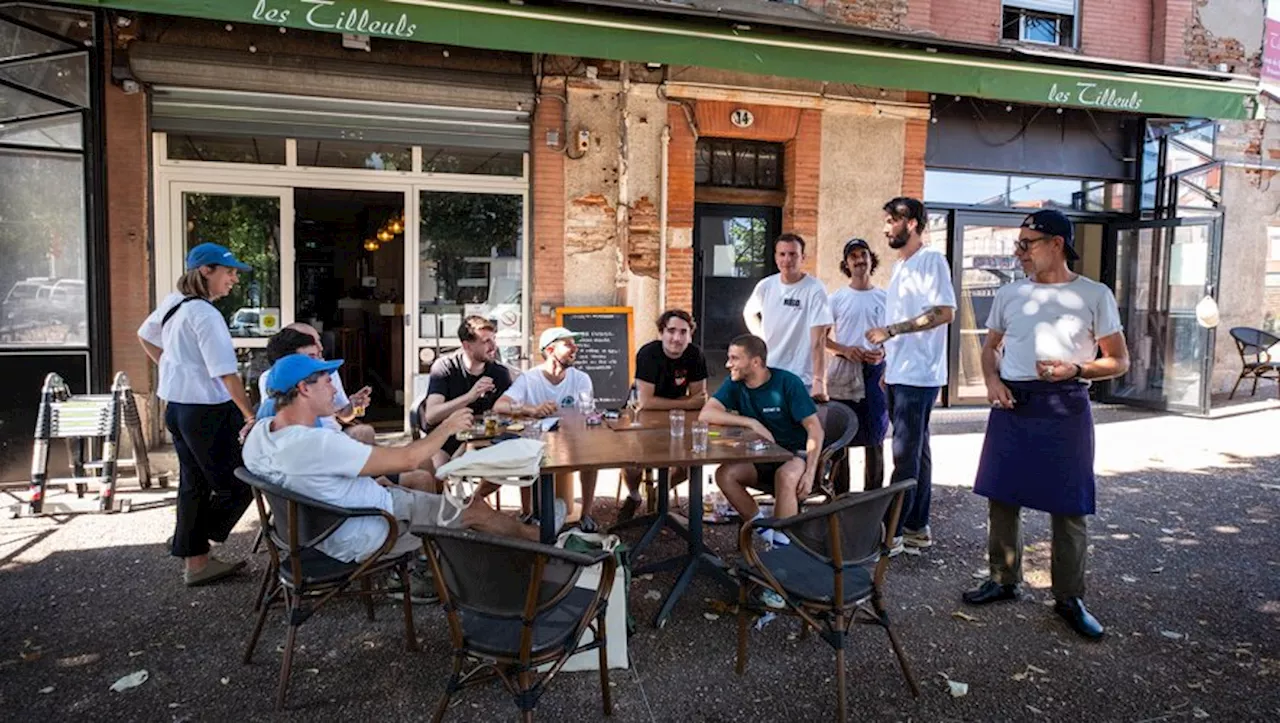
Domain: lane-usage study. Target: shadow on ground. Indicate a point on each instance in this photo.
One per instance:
(1183, 573)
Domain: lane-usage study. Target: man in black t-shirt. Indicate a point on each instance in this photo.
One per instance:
(470, 377)
(671, 373)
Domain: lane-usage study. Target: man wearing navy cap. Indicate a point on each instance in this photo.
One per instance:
(1043, 337)
(289, 450)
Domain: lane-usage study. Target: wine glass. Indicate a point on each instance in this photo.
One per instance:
(633, 407)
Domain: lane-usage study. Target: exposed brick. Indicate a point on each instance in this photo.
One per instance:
(803, 168)
(916, 136)
(548, 221)
(1112, 29)
(774, 123)
(128, 190)
(974, 21)
(642, 237)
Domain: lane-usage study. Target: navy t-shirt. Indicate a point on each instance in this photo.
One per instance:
(780, 404)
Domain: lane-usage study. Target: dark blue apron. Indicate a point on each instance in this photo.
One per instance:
(1040, 453)
(873, 409)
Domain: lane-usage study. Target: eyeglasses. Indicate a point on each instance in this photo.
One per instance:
(1024, 245)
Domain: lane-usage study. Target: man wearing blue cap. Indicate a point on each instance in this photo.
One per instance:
(187, 337)
(1043, 338)
(289, 450)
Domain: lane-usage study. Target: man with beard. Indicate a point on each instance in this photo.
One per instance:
(1041, 352)
(471, 377)
(344, 418)
(773, 404)
(922, 301)
(789, 311)
(671, 373)
(856, 309)
(548, 388)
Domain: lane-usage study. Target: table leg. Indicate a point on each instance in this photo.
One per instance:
(545, 502)
(697, 556)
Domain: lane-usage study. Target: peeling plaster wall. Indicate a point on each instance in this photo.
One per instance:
(591, 195)
(861, 169)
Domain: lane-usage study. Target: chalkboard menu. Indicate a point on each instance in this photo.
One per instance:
(606, 349)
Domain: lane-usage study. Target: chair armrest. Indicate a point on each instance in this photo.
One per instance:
(577, 558)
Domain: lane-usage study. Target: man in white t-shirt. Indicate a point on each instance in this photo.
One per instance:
(544, 390)
(1038, 450)
(290, 450)
(789, 311)
(919, 303)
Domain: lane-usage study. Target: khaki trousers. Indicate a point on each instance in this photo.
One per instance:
(1004, 549)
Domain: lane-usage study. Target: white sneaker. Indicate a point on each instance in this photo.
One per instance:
(561, 512)
(919, 539)
(896, 547)
(773, 538)
(773, 600)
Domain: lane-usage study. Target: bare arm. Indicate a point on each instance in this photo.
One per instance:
(817, 345)
(997, 393)
(715, 413)
(851, 353)
(649, 401)
(437, 409)
(813, 450)
(235, 387)
(152, 350)
(1114, 361)
(393, 460)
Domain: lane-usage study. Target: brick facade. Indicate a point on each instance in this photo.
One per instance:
(128, 220)
(680, 195)
(548, 216)
(915, 139)
(1116, 30)
(802, 156)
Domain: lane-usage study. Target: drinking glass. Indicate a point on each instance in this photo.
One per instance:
(586, 403)
(701, 437)
(633, 407)
(677, 423)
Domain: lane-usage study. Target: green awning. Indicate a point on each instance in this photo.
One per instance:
(498, 25)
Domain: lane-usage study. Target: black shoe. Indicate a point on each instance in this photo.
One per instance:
(991, 591)
(1073, 611)
(628, 509)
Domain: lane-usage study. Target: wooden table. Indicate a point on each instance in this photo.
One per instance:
(575, 446)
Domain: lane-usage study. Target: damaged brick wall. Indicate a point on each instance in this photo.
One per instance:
(877, 14)
(643, 238)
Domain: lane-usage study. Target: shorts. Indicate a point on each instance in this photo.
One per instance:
(766, 471)
(412, 507)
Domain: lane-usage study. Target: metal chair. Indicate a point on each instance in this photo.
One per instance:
(831, 575)
(514, 613)
(839, 427)
(303, 577)
(1255, 359)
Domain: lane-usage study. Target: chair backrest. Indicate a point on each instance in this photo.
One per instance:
(1251, 341)
(496, 575)
(315, 520)
(859, 525)
(839, 426)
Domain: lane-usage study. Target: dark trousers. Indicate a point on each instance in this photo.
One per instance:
(909, 410)
(210, 498)
(873, 472)
(1004, 549)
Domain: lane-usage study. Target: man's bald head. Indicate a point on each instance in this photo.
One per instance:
(307, 329)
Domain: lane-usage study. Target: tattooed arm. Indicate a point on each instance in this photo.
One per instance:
(932, 317)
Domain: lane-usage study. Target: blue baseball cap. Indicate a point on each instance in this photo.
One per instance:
(289, 371)
(211, 254)
(1054, 223)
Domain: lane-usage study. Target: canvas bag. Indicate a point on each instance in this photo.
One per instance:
(616, 617)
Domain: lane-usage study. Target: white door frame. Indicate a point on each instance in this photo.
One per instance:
(172, 178)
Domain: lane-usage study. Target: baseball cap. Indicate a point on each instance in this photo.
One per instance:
(554, 334)
(211, 254)
(855, 243)
(1054, 223)
(289, 370)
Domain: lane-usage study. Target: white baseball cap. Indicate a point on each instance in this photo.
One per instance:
(554, 334)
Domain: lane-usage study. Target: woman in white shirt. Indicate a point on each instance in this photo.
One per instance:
(206, 407)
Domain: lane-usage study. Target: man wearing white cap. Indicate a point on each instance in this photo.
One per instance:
(543, 391)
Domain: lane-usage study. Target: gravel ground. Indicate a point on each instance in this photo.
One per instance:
(1183, 571)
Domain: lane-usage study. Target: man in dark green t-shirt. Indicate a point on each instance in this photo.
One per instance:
(774, 404)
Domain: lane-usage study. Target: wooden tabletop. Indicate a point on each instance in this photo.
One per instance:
(576, 446)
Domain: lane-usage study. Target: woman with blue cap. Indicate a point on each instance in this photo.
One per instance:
(206, 407)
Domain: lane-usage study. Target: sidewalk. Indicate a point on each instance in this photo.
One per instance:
(1183, 571)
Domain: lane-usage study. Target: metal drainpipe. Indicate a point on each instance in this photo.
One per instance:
(623, 216)
(662, 218)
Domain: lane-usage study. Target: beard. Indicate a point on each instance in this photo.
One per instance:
(899, 239)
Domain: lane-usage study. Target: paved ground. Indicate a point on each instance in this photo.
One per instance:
(1183, 572)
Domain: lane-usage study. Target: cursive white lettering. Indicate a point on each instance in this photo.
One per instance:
(269, 14)
(1097, 96)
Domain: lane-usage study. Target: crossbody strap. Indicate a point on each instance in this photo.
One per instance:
(169, 314)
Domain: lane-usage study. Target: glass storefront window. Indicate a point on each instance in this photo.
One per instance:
(470, 263)
(62, 132)
(470, 160)
(354, 154)
(250, 227)
(43, 298)
(1005, 191)
(228, 149)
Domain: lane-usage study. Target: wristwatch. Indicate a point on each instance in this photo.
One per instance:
(1079, 372)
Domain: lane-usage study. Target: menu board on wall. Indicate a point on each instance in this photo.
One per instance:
(606, 349)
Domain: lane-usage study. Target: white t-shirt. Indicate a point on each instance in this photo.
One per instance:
(1051, 322)
(533, 388)
(197, 351)
(787, 313)
(918, 359)
(325, 466)
(340, 401)
(856, 312)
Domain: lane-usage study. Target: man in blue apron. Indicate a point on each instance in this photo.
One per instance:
(1044, 334)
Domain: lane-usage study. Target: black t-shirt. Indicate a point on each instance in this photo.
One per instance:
(450, 378)
(670, 377)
